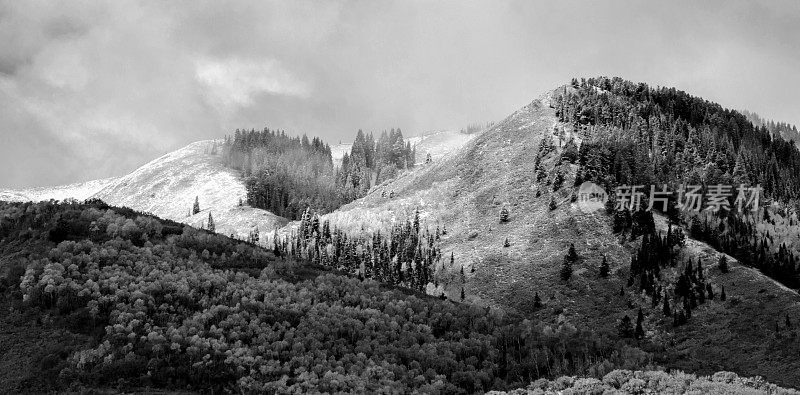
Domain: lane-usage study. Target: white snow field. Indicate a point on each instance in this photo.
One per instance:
(167, 187)
(79, 191)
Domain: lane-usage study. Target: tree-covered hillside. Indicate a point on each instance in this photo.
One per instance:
(152, 303)
(787, 131)
(634, 134)
(643, 135)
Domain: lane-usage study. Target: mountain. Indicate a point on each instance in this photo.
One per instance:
(503, 205)
(521, 164)
(167, 187)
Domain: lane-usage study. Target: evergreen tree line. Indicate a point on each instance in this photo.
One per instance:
(783, 129)
(406, 256)
(638, 135)
(657, 251)
(690, 289)
(372, 162)
(738, 236)
(642, 135)
(285, 174)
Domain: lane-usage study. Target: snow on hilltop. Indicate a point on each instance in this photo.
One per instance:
(79, 191)
(464, 189)
(438, 143)
(167, 187)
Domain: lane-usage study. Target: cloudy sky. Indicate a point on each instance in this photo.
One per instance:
(95, 89)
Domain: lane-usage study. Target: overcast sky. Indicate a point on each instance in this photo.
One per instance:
(95, 89)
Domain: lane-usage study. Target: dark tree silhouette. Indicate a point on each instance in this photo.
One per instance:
(604, 268)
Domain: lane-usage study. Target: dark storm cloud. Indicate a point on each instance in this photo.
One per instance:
(93, 89)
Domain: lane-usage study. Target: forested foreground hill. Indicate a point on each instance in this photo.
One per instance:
(103, 297)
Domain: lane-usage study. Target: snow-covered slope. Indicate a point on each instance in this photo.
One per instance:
(438, 143)
(79, 191)
(508, 264)
(167, 187)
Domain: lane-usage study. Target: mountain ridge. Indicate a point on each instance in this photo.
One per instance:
(465, 192)
(518, 164)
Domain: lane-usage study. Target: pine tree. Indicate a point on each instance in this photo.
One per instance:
(722, 295)
(558, 181)
(572, 255)
(723, 264)
(506, 244)
(604, 268)
(710, 292)
(504, 215)
(196, 208)
(211, 225)
(639, 325)
(739, 174)
(463, 296)
(666, 309)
